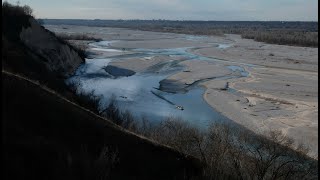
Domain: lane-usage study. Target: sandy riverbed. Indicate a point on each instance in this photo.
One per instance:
(281, 92)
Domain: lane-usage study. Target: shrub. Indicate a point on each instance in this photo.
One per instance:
(77, 37)
(88, 100)
(16, 10)
(227, 150)
(80, 51)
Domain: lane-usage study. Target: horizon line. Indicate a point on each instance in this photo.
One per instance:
(97, 19)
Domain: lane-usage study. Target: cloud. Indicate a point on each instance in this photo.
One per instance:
(305, 10)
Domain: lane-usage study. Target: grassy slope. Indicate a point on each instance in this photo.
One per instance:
(41, 129)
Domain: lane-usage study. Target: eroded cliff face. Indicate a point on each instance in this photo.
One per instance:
(59, 58)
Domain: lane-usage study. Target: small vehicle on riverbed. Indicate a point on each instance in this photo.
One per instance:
(180, 107)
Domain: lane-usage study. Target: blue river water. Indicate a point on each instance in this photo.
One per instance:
(136, 93)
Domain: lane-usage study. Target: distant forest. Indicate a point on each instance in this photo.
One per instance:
(275, 32)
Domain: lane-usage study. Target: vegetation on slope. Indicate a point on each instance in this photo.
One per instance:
(84, 37)
(14, 17)
(226, 149)
(19, 58)
(73, 39)
(82, 145)
(48, 137)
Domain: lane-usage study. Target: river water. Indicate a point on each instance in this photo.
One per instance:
(139, 93)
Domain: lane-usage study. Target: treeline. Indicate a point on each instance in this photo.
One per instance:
(255, 25)
(14, 16)
(227, 151)
(308, 39)
(275, 32)
(16, 10)
(284, 36)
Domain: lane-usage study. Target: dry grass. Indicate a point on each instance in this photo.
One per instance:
(86, 37)
(228, 150)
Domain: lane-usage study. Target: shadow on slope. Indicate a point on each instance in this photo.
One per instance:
(48, 137)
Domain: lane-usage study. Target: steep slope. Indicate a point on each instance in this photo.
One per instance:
(48, 136)
(31, 50)
(61, 59)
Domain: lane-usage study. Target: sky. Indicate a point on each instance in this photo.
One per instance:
(224, 10)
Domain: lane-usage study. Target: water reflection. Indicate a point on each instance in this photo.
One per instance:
(135, 92)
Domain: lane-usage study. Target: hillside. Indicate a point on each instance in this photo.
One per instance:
(30, 49)
(33, 51)
(45, 134)
(48, 136)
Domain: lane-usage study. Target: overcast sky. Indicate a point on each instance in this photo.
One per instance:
(265, 10)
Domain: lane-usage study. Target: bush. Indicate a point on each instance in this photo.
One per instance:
(16, 10)
(77, 37)
(80, 51)
(228, 151)
(87, 100)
